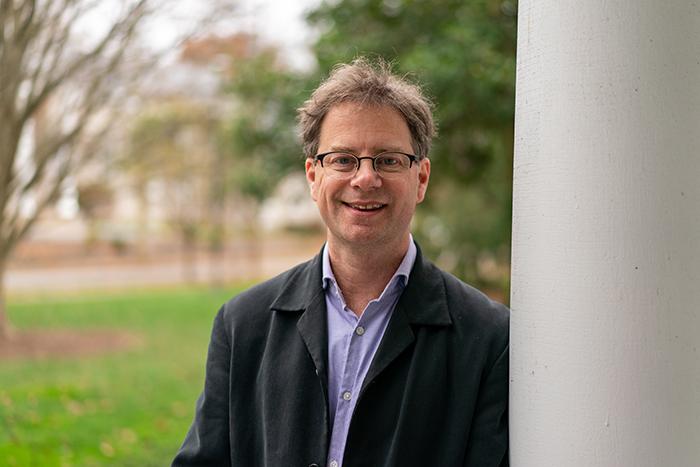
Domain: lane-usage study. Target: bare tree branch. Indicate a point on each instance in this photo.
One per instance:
(52, 92)
(55, 42)
(20, 229)
(125, 26)
(30, 5)
(47, 149)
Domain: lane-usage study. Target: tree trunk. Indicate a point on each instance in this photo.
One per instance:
(216, 213)
(216, 247)
(5, 327)
(255, 245)
(144, 221)
(188, 233)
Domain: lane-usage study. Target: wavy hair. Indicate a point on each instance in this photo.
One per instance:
(368, 83)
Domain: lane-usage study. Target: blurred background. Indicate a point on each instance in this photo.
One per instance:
(150, 169)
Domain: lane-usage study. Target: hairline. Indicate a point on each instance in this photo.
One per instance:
(367, 102)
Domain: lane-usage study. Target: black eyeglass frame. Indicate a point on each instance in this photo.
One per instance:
(411, 157)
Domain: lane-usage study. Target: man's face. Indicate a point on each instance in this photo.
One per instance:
(366, 131)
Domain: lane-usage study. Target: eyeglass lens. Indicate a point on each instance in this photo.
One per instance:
(389, 163)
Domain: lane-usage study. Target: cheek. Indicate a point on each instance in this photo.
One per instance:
(326, 190)
(321, 196)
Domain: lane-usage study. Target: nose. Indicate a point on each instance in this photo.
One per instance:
(366, 177)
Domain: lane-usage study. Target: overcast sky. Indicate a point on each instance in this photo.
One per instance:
(282, 22)
(276, 22)
(279, 22)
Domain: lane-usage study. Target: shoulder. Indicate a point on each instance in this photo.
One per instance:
(466, 301)
(257, 301)
(475, 316)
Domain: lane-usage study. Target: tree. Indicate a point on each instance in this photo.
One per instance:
(95, 201)
(464, 54)
(260, 137)
(173, 143)
(40, 70)
(55, 86)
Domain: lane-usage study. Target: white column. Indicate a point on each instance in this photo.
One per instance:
(605, 329)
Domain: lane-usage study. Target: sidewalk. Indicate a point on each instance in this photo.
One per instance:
(118, 273)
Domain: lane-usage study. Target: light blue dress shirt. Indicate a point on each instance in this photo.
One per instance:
(352, 343)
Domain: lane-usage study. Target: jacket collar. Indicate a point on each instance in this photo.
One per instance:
(423, 300)
(302, 292)
(301, 287)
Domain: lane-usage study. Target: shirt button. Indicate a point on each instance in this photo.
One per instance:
(347, 396)
(333, 464)
(359, 330)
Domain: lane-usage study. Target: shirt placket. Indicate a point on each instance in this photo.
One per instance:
(349, 387)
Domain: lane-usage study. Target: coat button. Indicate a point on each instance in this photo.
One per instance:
(313, 465)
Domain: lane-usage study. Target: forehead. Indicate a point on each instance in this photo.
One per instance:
(351, 125)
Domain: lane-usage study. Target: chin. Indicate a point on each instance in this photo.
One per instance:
(366, 237)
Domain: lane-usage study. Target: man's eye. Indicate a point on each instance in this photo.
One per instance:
(391, 161)
(342, 160)
(388, 160)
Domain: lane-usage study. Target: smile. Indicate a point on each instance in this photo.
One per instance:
(365, 207)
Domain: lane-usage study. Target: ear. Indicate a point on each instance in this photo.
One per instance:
(423, 178)
(310, 168)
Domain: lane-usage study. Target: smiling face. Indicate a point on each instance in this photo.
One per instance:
(366, 211)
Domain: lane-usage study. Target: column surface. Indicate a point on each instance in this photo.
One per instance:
(605, 329)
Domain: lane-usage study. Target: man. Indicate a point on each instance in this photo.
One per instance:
(368, 355)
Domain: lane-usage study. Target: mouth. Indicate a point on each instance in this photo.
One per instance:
(365, 207)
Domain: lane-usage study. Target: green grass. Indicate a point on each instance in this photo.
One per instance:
(124, 408)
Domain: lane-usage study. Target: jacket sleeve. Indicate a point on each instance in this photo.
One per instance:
(207, 441)
(488, 438)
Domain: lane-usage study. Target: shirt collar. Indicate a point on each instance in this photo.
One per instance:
(403, 271)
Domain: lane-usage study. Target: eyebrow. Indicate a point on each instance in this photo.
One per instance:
(334, 148)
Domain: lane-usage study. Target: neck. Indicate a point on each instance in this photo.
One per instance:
(363, 273)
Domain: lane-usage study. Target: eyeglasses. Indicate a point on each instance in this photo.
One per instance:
(386, 164)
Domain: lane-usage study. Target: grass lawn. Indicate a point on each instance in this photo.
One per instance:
(124, 408)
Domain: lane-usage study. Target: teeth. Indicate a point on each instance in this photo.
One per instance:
(366, 207)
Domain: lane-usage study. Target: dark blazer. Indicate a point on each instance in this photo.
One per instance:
(436, 393)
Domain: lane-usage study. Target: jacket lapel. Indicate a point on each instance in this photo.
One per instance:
(303, 293)
(397, 337)
(312, 327)
(423, 302)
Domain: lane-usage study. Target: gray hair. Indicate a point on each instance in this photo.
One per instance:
(368, 83)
